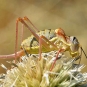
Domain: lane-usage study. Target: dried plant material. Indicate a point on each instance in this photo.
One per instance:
(32, 72)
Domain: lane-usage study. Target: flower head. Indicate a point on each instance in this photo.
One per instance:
(32, 72)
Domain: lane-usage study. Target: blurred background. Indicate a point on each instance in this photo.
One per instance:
(70, 15)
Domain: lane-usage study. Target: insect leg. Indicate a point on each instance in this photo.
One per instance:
(19, 53)
(16, 40)
(83, 52)
(27, 19)
(33, 32)
(40, 48)
(41, 41)
(47, 41)
(50, 43)
(22, 33)
(61, 50)
(79, 57)
(16, 54)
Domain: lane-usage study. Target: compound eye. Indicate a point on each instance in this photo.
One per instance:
(74, 40)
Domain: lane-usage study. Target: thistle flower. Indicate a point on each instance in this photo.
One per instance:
(32, 72)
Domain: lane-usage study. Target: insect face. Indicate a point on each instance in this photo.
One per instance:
(74, 43)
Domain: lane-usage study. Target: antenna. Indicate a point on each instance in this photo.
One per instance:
(83, 52)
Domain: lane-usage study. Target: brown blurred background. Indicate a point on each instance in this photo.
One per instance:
(71, 15)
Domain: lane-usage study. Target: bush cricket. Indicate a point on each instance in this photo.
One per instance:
(45, 41)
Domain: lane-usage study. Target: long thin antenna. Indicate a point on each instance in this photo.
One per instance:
(84, 52)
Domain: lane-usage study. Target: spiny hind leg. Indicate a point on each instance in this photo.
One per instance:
(28, 20)
(17, 54)
(22, 33)
(42, 39)
(40, 48)
(33, 32)
(16, 40)
(22, 20)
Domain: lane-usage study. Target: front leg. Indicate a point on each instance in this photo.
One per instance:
(60, 51)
